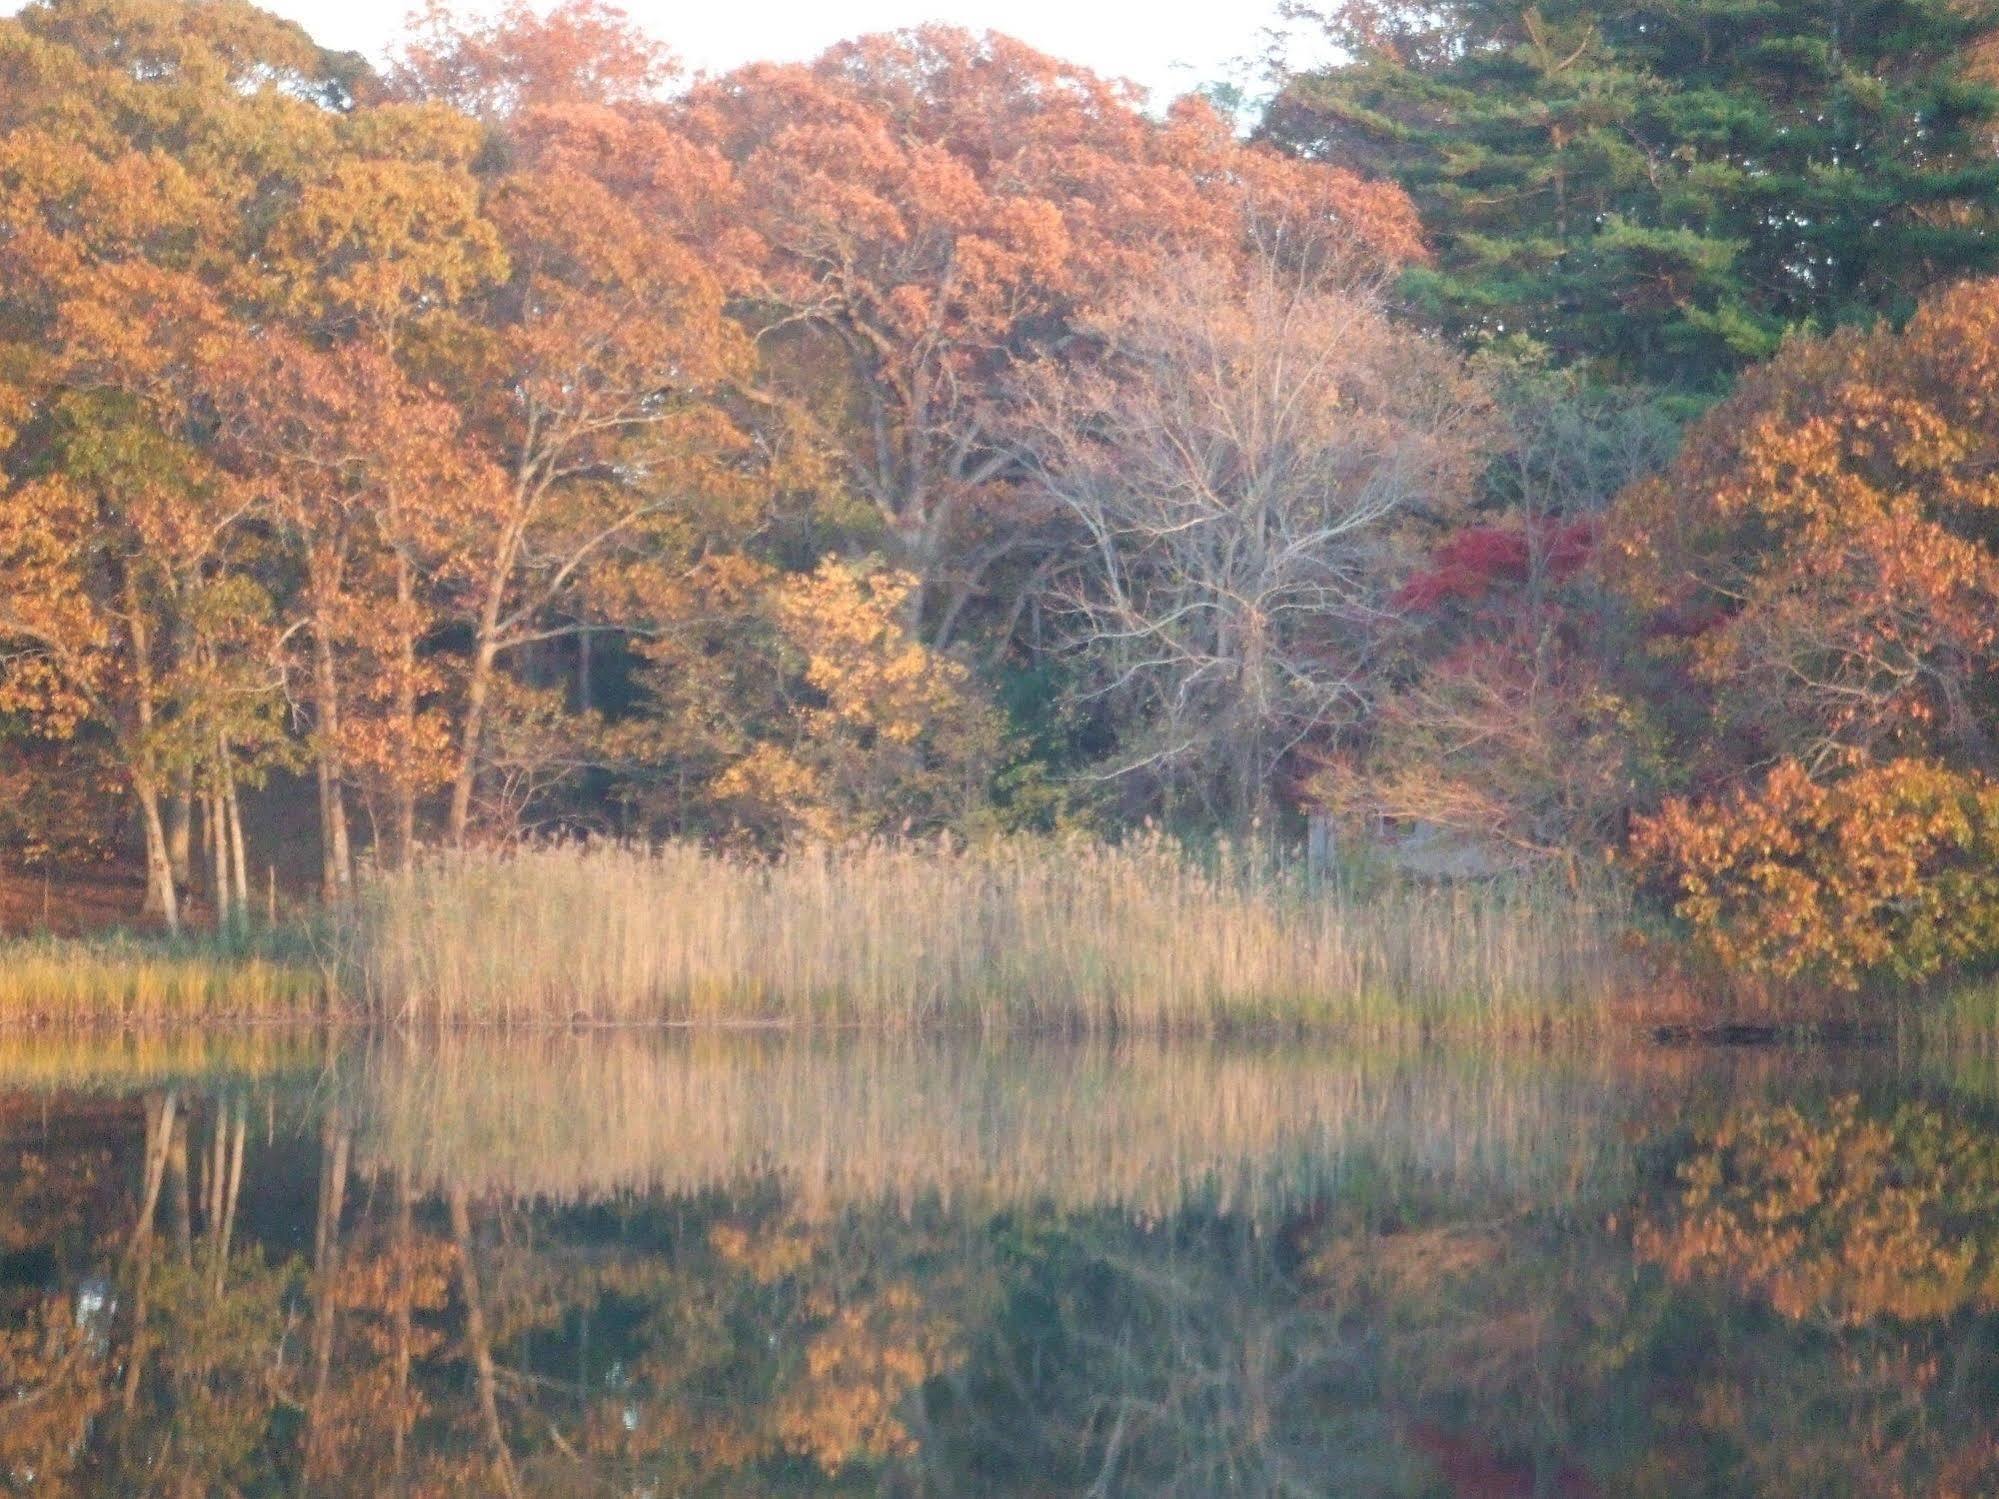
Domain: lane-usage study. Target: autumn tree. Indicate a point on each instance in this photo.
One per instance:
(800, 706)
(930, 208)
(262, 237)
(1519, 717)
(1248, 465)
(362, 468)
(138, 141)
(591, 377)
(1819, 565)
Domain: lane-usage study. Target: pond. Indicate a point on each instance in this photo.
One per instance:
(763, 1263)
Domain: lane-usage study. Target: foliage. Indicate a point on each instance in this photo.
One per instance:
(1244, 470)
(1516, 725)
(1664, 189)
(1818, 566)
(932, 207)
(473, 435)
(1888, 872)
(1843, 1219)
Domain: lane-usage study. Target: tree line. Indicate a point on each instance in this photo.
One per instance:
(1564, 427)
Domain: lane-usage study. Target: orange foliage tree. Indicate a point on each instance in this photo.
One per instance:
(140, 141)
(338, 411)
(931, 206)
(1821, 564)
(591, 376)
(1843, 1218)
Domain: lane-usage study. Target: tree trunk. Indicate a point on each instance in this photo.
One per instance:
(159, 1126)
(406, 708)
(180, 1205)
(336, 854)
(218, 861)
(232, 1190)
(478, 687)
(161, 898)
(180, 828)
(486, 652)
(217, 1169)
(232, 807)
(405, 1295)
(334, 1143)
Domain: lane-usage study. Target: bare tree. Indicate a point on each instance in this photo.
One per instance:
(1247, 463)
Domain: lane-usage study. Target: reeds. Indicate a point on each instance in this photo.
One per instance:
(1021, 935)
(124, 980)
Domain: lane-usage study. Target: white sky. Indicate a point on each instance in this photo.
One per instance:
(1168, 47)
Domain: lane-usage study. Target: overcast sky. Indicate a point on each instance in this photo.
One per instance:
(1168, 46)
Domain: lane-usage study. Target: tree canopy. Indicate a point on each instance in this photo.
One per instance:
(1664, 188)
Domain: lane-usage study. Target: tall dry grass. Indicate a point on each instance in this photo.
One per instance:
(1023, 935)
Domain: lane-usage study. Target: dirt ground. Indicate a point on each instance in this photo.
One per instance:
(72, 903)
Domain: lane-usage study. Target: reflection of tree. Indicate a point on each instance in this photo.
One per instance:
(1808, 1314)
(766, 1346)
(1844, 1218)
(198, 1389)
(55, 1393)
(1178, 1358)
(1874, 1239)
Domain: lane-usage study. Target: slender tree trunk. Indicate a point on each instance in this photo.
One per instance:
(232, 807)
(217, 1170)
(406, 708)
(334, 1142)
(180, 827)
(162, 900)
(218, 861)
(486, 652)
(336, 853)
(232, 1191)
(405, 1295)
(478, 687)
(159, 1127)
(180, 1206)
(479, 1342)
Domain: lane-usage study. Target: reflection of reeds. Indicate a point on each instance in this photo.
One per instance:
(1145, 1126)
(129, 981)
(1022, 935)
(97, 1060)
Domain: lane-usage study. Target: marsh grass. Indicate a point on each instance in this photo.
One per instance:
(131, 980)
(1015, 936)
(1960, 1017)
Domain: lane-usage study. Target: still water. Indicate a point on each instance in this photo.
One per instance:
(610, 1264)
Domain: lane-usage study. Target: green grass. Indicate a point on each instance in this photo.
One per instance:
(133, 980)
(92, 1059)
(1017, 936)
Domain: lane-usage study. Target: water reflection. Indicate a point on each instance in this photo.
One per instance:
(613, 1265)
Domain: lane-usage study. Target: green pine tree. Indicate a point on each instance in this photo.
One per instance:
(1662, 188)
